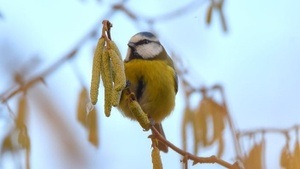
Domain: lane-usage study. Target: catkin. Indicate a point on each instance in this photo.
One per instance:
(116, 96)
(119, 77)
(22, 112)
(23, 138)
(108, 63)
(156, 160)
(296, 154)
(92, 123)
(285, 157)
(139, 114)
(96, 71)
(81, 106)
(113, 46)
(118, 68)
(107, 81)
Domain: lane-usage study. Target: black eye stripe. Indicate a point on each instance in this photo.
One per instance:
(142, 42)
(145, 41)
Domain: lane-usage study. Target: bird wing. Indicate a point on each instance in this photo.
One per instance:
(171, 64)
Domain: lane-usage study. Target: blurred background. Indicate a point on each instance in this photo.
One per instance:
(248, 49)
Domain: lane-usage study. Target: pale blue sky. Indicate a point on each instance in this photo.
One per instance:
(257, 62)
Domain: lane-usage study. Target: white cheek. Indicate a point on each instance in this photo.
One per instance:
(149, 51)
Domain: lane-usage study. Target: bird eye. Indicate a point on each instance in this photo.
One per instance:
(146, 41)
(143, 42)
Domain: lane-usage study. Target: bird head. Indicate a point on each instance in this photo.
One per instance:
(143, 45)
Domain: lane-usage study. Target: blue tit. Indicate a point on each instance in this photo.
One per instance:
(152, 78)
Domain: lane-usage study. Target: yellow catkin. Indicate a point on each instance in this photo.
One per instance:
(218, 119)
(200, 121)
(118, 68)
(296, 155)
(81, 106)
(107, 81)
(23, 137)
(116, 96)
(22, 112)
(96, 71)
(119, 77)
(113, 46)
(139, 114)
(92, 123)
(284, 157)
(156, 160)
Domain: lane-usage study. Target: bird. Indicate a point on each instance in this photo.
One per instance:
(152, 77)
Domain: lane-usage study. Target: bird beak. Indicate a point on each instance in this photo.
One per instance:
(131, 45)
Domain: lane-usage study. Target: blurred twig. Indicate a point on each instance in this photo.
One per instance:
(6, 95)
(295, 128)
(39, 78)
(219, 7)
(173, 14)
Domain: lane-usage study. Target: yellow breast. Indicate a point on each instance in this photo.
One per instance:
(158, 95)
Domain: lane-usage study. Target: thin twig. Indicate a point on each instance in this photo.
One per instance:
(196, 159)
(106, 30)
(219, 7)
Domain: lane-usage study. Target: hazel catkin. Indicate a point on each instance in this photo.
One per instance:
(156, 160)
(139, 114)
(118, 68)
(107, 81)
(96, 71)
(119, 77)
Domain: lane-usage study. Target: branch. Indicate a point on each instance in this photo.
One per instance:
(40, 77)
(165, 17)
(140, 116)
(268, 130)
(106, 30)
(187, 155)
